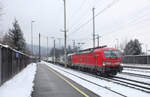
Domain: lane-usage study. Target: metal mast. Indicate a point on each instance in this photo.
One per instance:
(93, 27)
(65, 33)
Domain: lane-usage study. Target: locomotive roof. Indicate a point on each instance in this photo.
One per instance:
(89, 50)
(96, 50)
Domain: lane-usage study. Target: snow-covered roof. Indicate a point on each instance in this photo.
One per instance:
(7, 46)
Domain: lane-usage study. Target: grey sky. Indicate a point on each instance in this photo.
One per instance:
(125, 20)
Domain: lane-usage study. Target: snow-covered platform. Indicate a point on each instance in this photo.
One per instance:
(49, 83)
(21, 85)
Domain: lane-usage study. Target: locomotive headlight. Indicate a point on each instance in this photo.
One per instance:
(104, 63)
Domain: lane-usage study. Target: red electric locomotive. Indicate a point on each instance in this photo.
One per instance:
(103, 61)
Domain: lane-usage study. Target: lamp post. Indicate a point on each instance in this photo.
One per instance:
(39, 47)
(32, 35)
(54, 51)
(47, 47)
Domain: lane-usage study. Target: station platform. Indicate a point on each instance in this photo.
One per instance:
(49, 83)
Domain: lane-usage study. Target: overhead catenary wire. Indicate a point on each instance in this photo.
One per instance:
(79, 8)
(84, 15)
(99, 13)
(134, 20)
(129, 24)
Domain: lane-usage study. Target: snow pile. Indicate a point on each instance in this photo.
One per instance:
(20, 85)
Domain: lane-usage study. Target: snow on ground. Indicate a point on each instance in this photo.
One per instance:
(137, 71)
(129, 92)
(20, 85)
(146, 80)
(138, 65)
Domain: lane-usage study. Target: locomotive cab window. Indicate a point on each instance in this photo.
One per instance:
(111, 54)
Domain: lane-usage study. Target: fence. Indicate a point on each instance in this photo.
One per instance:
(136, 59)
(11, 62)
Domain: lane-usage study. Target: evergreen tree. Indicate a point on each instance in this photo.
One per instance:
(16, 39)
(133, 48)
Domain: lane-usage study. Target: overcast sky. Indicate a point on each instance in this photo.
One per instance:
(122, 20)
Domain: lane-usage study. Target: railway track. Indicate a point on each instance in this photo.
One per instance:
(131, 80)
(142, 86)
(136, 75)
(127, 84)
(133, 67)
(137, 70)
(94, 83)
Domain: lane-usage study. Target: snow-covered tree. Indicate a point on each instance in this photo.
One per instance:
(15, 38)
(133, 48)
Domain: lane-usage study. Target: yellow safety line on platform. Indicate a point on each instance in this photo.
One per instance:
(71, 84)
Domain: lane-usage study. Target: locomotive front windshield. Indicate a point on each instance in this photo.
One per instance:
(111, 54)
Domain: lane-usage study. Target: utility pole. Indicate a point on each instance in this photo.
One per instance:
(65, 33)
(32, 35)
(39, 47)
(93, 27)
(47, 47)
(53, 38)
(78, 47)
(54, 52)
(73, 44)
